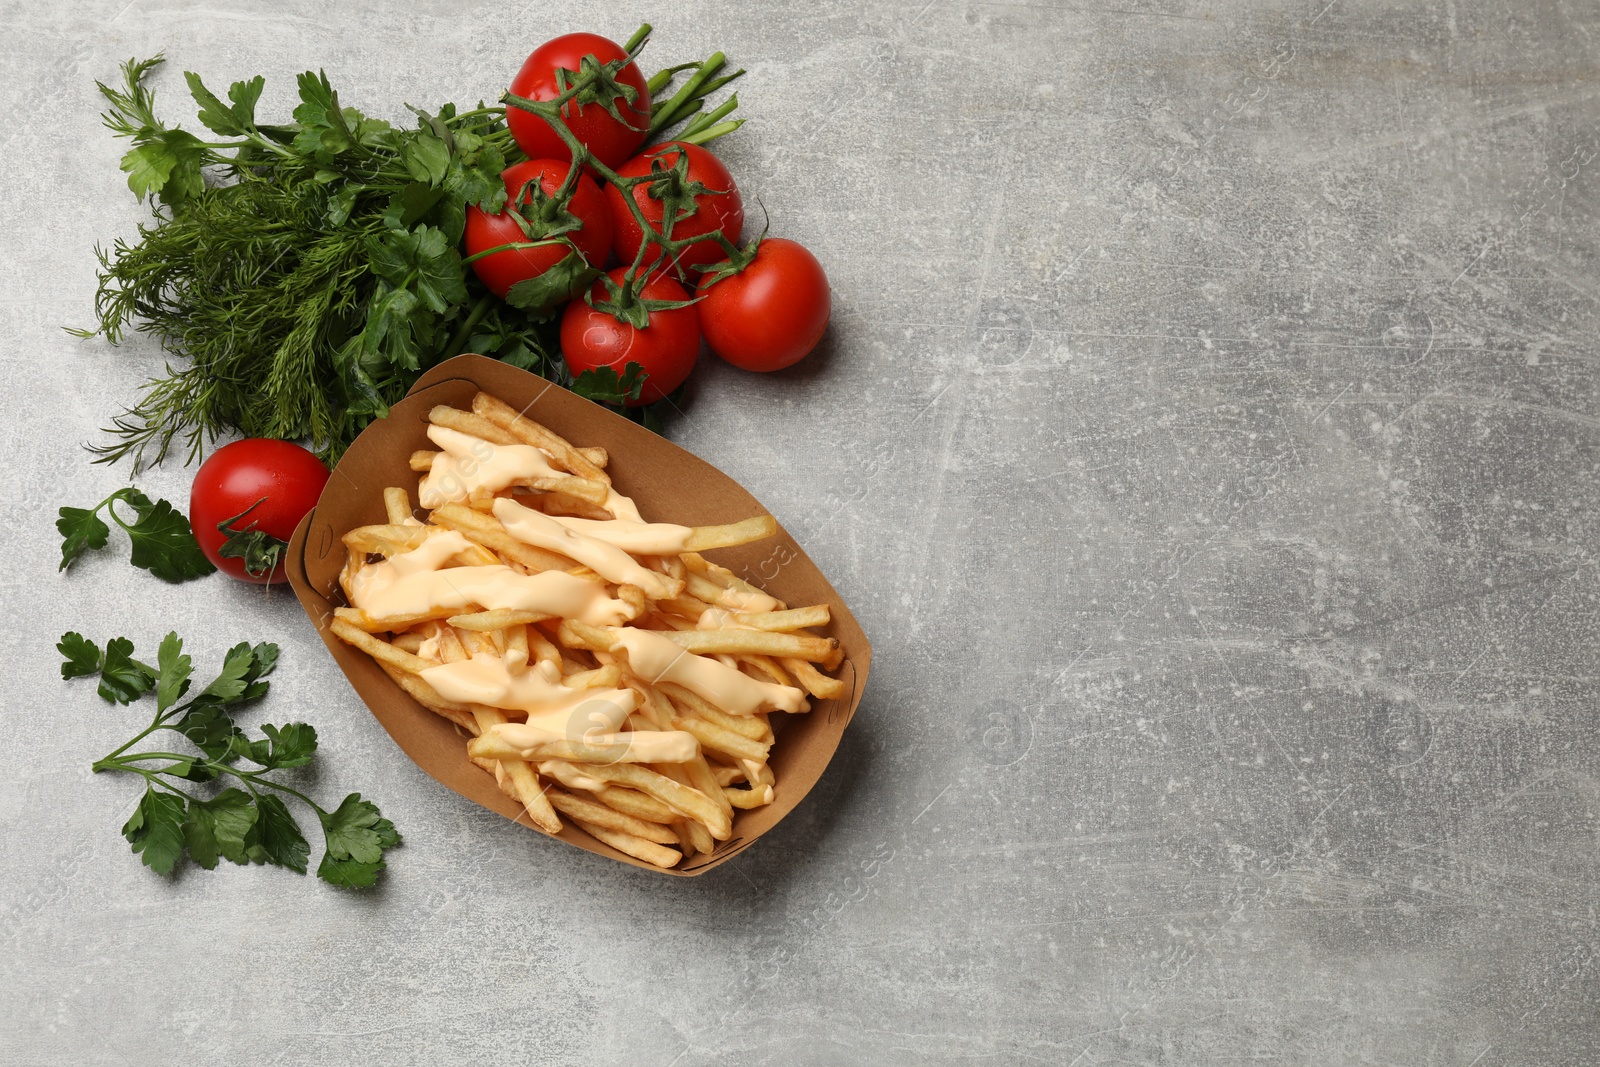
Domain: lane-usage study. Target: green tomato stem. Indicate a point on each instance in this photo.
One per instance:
(663, 118)
(708, 119)
(710, 133)
(636, 42)
(479, 309)
(663, 78)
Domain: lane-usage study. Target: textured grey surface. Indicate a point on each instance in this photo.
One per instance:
(1206, 438)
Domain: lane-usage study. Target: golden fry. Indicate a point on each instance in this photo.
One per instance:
(495, 746)
(765, 665)
(381, 651)
(639, 805)
(468, 423)
(743, 725)
(574, 633)
(680, 798)
(582, 488)
(529, 432)
(391, 539)
(451, 648)
(631, 845)
(700, 776)
(562, 504)
(733, 533)
(745, 799)
(498, 619)
(719, 739)
(524, 783)
(592, 811)
(792, 619)
(699, 839)
(379, 624)
(753, 642)
(606, 677)
(812, 680)
(397, 502)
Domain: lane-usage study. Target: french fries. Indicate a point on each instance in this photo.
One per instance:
(648, 744)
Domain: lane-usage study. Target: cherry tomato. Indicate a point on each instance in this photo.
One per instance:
(256, 483)
(484, 231)
(666, 348)
(610, 141)
(718, 209)
(769, 315)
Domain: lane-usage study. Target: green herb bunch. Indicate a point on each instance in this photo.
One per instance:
(305, 273)
(247, 823)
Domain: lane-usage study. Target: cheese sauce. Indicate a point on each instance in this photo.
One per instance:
(411, 583)
(622, 507)
(555, 711)
(639, 538)
(469, 463)
(647, 746)
(607, 560)
(657, 659)
(571, 775)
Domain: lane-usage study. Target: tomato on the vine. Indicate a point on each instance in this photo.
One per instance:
(718, 209)
(771, 313)
(259, 489)
(484, 231)
(666, 348)
(611, 141)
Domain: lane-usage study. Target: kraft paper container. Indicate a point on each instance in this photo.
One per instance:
(670, 485)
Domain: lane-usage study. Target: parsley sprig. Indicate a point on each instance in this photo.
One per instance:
(162, 541)
(247, 823)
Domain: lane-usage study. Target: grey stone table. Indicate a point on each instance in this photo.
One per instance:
(1206, 437)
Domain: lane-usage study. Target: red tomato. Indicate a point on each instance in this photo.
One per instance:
(719, 209)
(610, 141)
(260, 483)
(484, 231)
(666, 348)
(769, 315)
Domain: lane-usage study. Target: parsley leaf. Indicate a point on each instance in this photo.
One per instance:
(155, 830)
(323, 130)
(603, 385)
(81, 530)
(162, 541)
(560, 283)
(348, 873)
(83, 655)
(163, 545)
(210, 730)
(278, 836)
(219, 826)
(174, 668)
(165, 163)
(240, 681)
(357, 835)
(426, 156)
(124, 679)
(291, 745)
(424, 258)
(220, 118)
